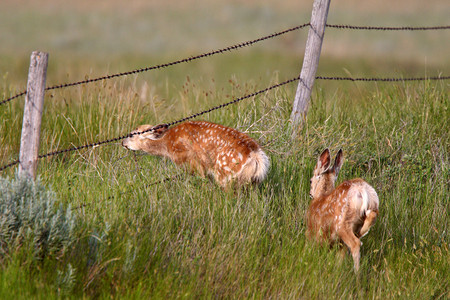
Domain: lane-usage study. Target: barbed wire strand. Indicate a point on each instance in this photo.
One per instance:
(161, 66)
(96, 144)
(13, 163)
(378, 79)
(402, 28)
(230, 48)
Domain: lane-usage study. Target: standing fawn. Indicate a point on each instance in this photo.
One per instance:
(207, 148)
(343, 214)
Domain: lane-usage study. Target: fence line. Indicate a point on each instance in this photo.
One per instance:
(11, 164)
(157, 127)
(229, 48)
(234, 47)
(378, 79)
(403, 28)
(161, 66)
(95, 144)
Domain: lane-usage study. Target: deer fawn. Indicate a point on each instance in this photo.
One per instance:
(210, 149)
(345, 213)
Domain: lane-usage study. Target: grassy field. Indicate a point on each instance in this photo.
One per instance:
(138, 237)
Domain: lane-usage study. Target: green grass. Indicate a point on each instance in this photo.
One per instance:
(188, 238)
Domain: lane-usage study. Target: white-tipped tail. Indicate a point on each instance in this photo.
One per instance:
(255, 168)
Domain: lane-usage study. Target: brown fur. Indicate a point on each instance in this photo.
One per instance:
(206, 148)
(342, 214)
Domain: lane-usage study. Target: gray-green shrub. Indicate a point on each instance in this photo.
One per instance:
(31, 216)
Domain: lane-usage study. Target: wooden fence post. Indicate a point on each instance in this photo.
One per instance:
(310, 62)
(32, 114)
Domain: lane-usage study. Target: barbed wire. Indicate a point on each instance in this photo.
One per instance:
(229, 48)
(13, 97)
(402, 28)
(13, 163)
(378, 79)
(161, 66)
(96, 144)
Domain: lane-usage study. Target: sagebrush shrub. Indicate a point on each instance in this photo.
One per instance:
(30, 216)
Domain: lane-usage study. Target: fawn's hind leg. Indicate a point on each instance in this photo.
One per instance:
(353, 243)
(371, 217)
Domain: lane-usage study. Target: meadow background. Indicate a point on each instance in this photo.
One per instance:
(185, 237)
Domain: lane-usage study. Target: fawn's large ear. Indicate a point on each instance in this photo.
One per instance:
(338, 161)
(323, 162)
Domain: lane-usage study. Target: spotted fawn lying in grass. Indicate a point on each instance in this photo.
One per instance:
(206, 148)
(343, 214)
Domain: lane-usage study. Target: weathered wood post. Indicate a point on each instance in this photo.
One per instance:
(310, 62)
(32, 114)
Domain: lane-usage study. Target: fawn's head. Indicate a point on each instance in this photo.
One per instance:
(324, 177)
(135, 141)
